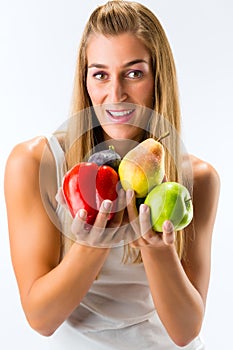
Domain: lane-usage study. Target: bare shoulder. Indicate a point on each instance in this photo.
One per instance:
(24, 159)
(30, 150)
(204, 174)
(23, 164)
(206, 190)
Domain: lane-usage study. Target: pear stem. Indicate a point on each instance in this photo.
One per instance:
(188, 200)
(163, 136)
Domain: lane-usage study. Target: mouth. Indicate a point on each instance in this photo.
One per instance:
(120, 116)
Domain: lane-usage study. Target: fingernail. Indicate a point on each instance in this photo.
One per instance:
(168, 226)
(143, 208)
(107, 204)
(82, 214)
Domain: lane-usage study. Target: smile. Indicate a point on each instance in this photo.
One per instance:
(120, 116)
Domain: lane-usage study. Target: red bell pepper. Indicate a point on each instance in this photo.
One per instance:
(86, 185)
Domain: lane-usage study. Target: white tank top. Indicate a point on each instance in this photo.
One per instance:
(117, 312)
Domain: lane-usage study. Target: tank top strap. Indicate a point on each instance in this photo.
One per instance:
(59, 157)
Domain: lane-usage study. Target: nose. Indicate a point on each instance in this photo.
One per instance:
(117, 91)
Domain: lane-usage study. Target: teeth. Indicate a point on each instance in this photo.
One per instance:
(120, 113)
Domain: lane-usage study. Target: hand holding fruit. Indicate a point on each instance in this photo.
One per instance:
(142, 226)
(103, 233)
(86, 188)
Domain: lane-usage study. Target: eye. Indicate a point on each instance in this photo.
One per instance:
(100, 76)
(135, 74)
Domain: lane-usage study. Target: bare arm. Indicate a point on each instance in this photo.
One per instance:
(179, 289)
(49, 289)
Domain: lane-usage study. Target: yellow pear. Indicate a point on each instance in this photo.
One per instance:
(142, 168)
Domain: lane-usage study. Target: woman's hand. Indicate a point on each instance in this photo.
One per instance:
(141, 224)
(104, 232)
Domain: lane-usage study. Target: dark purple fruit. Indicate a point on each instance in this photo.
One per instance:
(106, 157)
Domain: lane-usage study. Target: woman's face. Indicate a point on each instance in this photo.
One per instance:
(119, 81)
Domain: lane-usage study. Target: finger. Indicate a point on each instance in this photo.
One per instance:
(79, 222)
(149, 236)
(116, 230)
(99, 237)
(168, 232)
(145, 221)
(119, 212)
(132, 212)
(103, 215)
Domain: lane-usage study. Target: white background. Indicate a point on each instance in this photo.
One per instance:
(38, 45)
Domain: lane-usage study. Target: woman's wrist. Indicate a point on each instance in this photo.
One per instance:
(160, 253)
(87, 250)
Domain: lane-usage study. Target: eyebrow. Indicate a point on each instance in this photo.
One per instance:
(128, 64)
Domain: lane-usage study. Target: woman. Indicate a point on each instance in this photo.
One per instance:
(151, 291)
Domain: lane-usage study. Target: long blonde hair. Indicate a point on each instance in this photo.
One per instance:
(114, 18)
